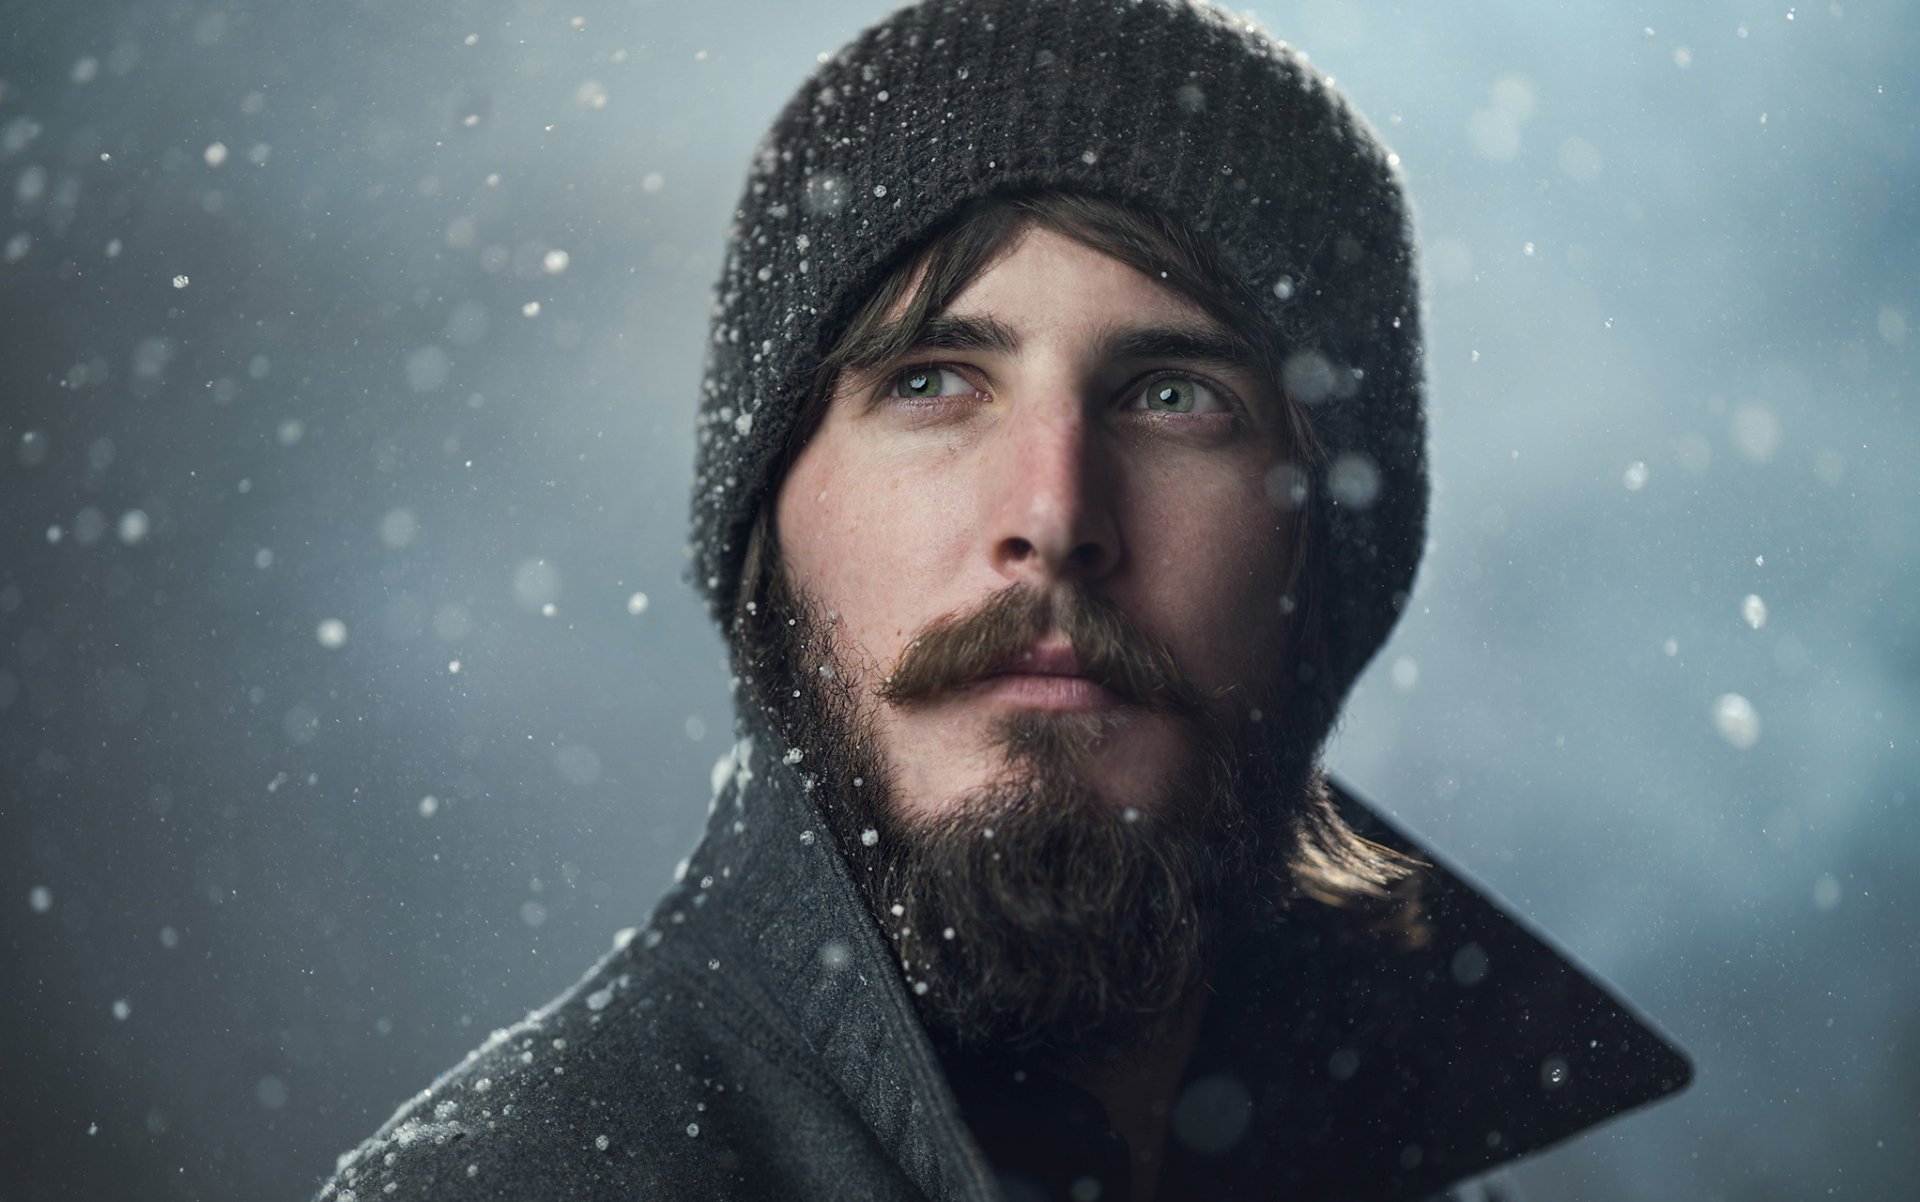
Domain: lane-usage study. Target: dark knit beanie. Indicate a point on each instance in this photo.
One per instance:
(1169, 105)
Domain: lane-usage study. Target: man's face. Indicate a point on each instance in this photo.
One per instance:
(1070, 425)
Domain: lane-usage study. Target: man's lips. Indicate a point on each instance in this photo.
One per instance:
(1043, 659)
(1069, 647)
(1043, 692)
(1046, 676)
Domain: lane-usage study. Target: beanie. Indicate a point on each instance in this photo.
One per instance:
(1175, 106)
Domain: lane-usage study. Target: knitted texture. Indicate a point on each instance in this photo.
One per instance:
(1170, 105)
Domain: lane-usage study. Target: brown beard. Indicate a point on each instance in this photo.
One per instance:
(1034, 916)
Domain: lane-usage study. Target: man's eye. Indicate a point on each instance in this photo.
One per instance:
(1179, 394)
(927, 382)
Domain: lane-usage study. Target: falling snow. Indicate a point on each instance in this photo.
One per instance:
(312, 656)
(1736, 720)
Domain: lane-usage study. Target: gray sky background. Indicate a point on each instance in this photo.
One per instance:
(338, 342)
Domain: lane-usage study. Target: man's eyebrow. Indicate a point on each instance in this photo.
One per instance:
(949, 332)
(958, 332)
(1191, 344)
(941, 332)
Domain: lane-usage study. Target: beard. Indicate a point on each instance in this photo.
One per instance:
(1033, 916)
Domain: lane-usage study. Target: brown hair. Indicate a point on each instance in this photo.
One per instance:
(1331, 862)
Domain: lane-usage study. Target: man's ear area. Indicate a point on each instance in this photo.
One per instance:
(758, 564)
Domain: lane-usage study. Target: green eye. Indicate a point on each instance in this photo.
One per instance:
(921, 383)
(1172, 395)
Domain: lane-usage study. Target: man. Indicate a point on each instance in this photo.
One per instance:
(1061, 466)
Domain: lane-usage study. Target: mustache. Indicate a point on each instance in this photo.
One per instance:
(966, 647)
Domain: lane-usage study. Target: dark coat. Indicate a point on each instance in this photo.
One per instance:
(755, 1040)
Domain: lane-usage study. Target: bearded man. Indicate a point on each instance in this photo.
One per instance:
(1060, 467)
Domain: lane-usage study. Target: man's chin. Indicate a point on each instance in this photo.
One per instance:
(1129, 761)
(1037, 916)
(1124, 759)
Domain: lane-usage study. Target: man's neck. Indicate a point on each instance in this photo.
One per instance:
(1138, 1086)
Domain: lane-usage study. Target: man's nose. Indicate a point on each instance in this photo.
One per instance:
(1052, 516)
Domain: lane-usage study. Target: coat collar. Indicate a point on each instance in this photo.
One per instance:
(1375, 1071)
(1393, 1072)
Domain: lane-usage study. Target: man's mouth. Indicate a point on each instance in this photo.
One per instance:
(1067, 651)
(1046, 676)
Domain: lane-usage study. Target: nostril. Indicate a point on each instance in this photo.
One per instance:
(1084, 553)
(1089, 556)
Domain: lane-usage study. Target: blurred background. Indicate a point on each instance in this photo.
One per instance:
(351, 697)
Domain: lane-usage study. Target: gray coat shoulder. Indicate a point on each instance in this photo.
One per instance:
(653, 1075)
